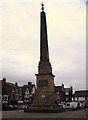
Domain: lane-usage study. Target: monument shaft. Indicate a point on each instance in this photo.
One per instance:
(45, 79)
(44, 64)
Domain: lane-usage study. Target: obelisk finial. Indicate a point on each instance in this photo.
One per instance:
(42, 6)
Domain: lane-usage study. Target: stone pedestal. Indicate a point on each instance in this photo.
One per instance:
(44, 109)
(45, 97)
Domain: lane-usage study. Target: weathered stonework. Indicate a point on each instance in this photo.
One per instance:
(49, 78)
(45, 94)
(45, 97)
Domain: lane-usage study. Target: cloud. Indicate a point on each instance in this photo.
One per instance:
(66, 36)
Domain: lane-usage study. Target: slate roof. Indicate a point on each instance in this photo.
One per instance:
(58, 88)
(81, 93)
(30, 87)
(11, 84)
(8, 83)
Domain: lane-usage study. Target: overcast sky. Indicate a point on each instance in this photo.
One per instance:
(20, 33)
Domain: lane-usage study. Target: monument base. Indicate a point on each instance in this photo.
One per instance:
(44, 109)
(44, 98)
(44, 101)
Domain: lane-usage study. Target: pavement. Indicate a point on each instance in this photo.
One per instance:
(78, 114)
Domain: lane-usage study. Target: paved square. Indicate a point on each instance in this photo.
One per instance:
(66, 114)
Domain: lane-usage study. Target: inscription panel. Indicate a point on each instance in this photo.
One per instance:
(43, 83)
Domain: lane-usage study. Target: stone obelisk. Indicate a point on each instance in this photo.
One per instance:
(45, 95)
(44, 99)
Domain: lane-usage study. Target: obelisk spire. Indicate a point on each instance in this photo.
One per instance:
(44, 64)
(42, 6)
(44, 53)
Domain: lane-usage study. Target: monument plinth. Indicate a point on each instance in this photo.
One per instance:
(45, 97)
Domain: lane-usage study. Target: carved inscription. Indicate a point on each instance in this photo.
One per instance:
(43, 83)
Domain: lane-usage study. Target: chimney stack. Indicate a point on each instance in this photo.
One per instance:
(29, 83)
(16, 83)
(4, 80)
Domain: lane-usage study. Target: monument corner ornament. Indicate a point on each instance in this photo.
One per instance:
(45, 97)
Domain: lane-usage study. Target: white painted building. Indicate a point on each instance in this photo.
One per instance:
(81, 95)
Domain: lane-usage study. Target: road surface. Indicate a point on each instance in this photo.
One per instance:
(67, 114)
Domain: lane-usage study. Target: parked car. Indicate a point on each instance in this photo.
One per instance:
(61, 104)
(70, 105)
(85, 104)
(81, 105)
(13, 107)
(16, 107)
(25, 107)
(5, 106)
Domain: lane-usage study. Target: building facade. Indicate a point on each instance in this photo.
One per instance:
(13, 94)
(63, 94)
(28, 93)
(81, 95)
